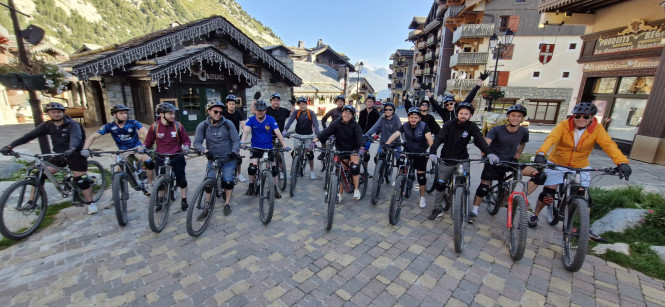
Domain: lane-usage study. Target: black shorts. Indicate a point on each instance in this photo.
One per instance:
(420, 163)
(76, 163)
(178, 165)
(256, 154)
(492, 172)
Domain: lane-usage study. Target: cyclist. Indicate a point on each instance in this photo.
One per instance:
(306, 126)
(262, 127)
(387, 124)
(455, 135)
(418, 138)
(238, 120)
(334, 114)
(67, 137)
(574, 140)
(348, 137)
(447, 112)
(222, 141)
(169, 137)
(369, 115)
(507, 142)
(424, 116)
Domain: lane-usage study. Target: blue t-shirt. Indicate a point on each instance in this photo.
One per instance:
(262, 132)
(126, 137)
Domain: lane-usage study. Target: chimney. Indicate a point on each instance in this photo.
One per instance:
(319, 44)
(301, 44)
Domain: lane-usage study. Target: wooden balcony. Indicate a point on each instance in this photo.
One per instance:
(414, 34)
(440, 10)
(454, 2)
(430, 40)
(473, 31)
(419, 58)
(420, 45)
(427, 71)
(470, 3)
(461, 84)
(418, 72)
(428, 56)
(468, 59)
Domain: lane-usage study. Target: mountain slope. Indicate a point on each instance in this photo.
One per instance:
(70, 23)
(378, 78)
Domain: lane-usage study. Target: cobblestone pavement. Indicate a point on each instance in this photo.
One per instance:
(90, 260)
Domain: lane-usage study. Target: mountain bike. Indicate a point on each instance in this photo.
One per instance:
(330, 144)
(300, 161)
(403, 185)
(281, 164)
(23, 204)
(163, 192)
(383, 171)
(263, 185)
(127, 171)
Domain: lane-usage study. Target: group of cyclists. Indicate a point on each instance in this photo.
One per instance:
(225, 131)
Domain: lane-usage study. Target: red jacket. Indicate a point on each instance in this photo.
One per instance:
(166, 139)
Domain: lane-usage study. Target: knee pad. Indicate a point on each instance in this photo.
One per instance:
(275, 170)
(355, 169)
(482, 190)
(422, 179)
(366, 157)
(149, 164)
(207, 189)
(252, 169)
(547, 195)
(228, 185)
(440, 185)
(310, 155)
(181, 183)
(82, 182)
(539, 178)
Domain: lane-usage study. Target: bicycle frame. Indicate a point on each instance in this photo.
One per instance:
(64, 187)
(130, 169)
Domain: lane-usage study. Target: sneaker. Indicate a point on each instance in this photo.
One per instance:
(356, 194)
(312, 176)
(416, 186)
(227, 209)
(250, 190)
(147, 189)
(277, 196)
(321, 156)
(596, 238)
(340, 198)
(533, 221)
(472, 218)
(436, 213)
(203, 215)
(241, 178)
(183, 204)
(92, 208)
(423, 204)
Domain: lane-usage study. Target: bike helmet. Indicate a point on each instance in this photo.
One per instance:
(119, 107)
(585, 108)
(340, 97)
(465, 105)
(413, 110)
(231, 97)
(302, 99)
(165, 107)
(424, 101)
(516, 108)
(539, 178)
(54, 106)
(275, 96)
(389, 104)
(260, 105)
(370, 96)
(349, 108)
(215, 103)
(448, 97)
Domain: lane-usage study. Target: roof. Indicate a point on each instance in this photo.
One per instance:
(353, 81)
(302, 52)
(279, 47)
(405, 52)
(574, 6)
(104, 60)
(417, 21)
(316, 78)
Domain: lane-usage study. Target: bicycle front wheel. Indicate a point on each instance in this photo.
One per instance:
(519, 227)
(120, 191)
(575, 233)
(266, 197)
(363, 179)
(200, 211)
(460, 208)
(333, 185)
(294, 174)
(397, 199)
(97, 178)
(20, 217)
(160, 204)
(281, 167)
(552, 213)
(432, 175)
(377, 180)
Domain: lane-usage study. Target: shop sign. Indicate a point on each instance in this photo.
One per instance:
(648, 63)
(205, 76)
(636, 36)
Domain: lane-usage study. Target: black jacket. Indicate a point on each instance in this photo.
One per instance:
(348, 136)
(334, 114)
(63, 137)
(428, 119)
(455, 137)
(280, 114)
(367, 119)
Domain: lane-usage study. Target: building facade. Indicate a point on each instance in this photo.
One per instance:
(400, 78)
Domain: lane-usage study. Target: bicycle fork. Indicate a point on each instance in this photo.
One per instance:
(509, 215)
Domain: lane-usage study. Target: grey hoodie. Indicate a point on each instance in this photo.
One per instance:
(387, 127)
(220, 140)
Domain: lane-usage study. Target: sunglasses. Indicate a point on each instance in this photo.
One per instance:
(388, 110)
(216, 112)
(450, 104)
(585, 116)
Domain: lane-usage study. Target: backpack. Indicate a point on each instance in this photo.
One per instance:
(155, 125)
(308, 115)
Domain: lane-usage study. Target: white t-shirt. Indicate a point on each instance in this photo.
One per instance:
(578, 135)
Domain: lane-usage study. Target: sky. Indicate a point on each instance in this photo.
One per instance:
(367, 30)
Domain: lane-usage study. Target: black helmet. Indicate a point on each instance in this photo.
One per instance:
(165, 107)
(424, 101)
(340, 97)
(413, 110)
(275, 96)
(119, 107)
(302, 99)
(215, 103)
(516, 108)
(465, 105)
(349, 108)
(260, 105)
(389, 104)
(448, 97)
(231, 97)
(54, 106)
(539, 178)
(370, 96)
(585, 108)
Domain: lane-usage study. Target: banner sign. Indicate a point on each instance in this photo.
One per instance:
(636, 36)
(648, 63)
(546, 53)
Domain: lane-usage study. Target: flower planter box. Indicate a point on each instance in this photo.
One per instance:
(18, 81)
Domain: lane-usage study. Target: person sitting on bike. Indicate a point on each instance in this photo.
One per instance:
(307, 125)
(348, 137)
(262, 127)
(222, 143)
(418, 138)
(125, 133)
(573, 140)
(447, 112)
(507, 142)
(455, 136)
(67, 137)
(387, 124)
(334, 114)
(238, 120)
(169, 137)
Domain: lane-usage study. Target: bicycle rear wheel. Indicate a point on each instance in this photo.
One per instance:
(281, 167)
(266, 197)
(575, 234)
(120, 191)
(377, 180)
(333, 185)
(460, 208)
(159, 205)
(200, 211)
(519, 227)
(97, 179)
(18, 217)
(294, 174)
(363, 179)
(397, 199)
(432, 175)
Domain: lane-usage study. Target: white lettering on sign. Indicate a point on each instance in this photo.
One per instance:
(205, 76)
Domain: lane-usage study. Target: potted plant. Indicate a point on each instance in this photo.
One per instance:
(40, 76)
(492, 93)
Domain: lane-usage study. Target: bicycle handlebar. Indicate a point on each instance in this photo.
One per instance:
(607, 170)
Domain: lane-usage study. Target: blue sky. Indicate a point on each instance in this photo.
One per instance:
(368, 30)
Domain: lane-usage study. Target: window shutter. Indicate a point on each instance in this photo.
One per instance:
(514, 23)
(508, 52)
(503, 78)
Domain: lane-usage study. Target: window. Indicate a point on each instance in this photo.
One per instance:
(572, 46)
(604, 85)
(503, 23)
(506, 54)
(565, 74)
(511, 22)
(535, 74)
(467, 49)
(636, 85)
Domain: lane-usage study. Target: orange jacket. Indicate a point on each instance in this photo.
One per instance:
(566, 153)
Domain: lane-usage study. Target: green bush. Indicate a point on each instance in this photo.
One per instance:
(605, 201)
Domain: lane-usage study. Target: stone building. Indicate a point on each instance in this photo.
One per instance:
(400, 78)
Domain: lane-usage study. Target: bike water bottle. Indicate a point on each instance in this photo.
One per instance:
(367, 145)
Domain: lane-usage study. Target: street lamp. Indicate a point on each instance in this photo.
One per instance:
(360, 67)
(497, 47)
